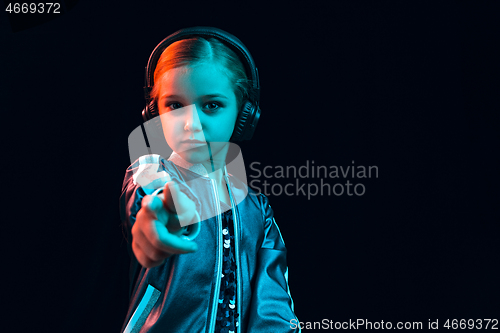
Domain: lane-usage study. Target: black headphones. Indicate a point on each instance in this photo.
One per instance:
(249, 114)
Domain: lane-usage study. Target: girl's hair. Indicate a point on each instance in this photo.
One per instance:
(196, 50)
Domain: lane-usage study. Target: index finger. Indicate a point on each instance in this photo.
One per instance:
(184, 207)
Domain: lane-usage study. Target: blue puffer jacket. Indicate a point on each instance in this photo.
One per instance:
(181, 295)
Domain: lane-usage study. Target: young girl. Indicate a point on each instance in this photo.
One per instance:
(207, 255)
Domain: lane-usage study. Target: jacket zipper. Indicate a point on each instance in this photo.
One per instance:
(219, 261)
(236, 246)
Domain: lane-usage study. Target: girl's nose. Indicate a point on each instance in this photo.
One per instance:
(192, 120)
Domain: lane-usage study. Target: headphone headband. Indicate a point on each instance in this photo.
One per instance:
(229, 40)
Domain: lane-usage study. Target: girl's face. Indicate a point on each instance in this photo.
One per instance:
(197, 106)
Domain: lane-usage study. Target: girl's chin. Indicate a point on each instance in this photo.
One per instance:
(194, 156)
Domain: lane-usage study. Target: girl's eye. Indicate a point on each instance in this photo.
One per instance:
(173, 106)
(212, 106)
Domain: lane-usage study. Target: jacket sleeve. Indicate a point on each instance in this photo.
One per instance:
(271, 308)
(141, 178)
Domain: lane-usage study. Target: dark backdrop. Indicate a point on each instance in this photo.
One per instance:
(409, 87)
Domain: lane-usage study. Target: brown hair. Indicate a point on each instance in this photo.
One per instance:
(198, 50)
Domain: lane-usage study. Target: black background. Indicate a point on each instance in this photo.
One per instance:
(410, 87)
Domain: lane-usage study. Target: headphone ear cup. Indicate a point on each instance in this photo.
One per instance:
(149, 112)
(145, 114)
(151, 119)
(253, 124)
(245, 116)
(153, 112)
